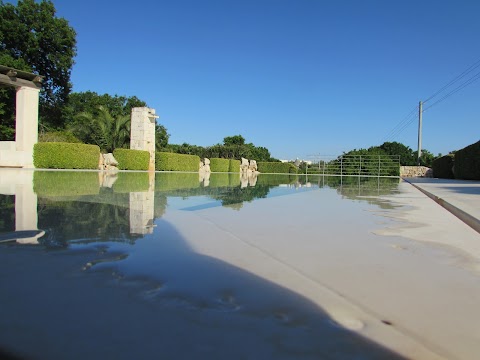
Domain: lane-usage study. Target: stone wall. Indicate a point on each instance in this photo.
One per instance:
(415, 171)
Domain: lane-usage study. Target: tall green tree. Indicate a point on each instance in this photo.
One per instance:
(89, 102)
(103, 129)
(33, 38)
(407, 155)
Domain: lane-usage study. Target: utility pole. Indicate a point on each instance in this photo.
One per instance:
(420, 111)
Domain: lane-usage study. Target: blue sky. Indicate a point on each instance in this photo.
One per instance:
(299, 77)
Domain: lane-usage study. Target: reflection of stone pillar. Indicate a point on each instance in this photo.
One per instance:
(26, 128)
(26, 217)
(142, 133)
(142, 205)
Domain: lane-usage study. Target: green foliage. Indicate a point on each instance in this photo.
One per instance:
(234, 166)
(219, 165)
(65, 183)
(426, 158)
(31, 35)
(276, 168)
(234, 147)
(467, 162)
(176, 162)
(103, 129)
(52, 155)
(132, 159)
(408, 157)
(234, 140)
(90, 101)
(161, 137)
(442, 167)
(131, 182)
(58, 136)
(371, 161)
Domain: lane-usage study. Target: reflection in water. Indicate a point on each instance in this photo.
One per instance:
(173, 300)
(91, 206)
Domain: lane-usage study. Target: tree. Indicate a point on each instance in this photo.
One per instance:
(234, 140)
(161, 137)
(89, 102)
(103, 129)
(407, 155)
(32, 33)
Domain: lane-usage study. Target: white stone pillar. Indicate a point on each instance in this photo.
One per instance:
(26, 120)
(142, 133)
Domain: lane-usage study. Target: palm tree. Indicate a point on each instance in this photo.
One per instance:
(103, 129)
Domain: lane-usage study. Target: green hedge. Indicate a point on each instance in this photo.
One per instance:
(129, 159)
(52, 155)
(176, 162)
(442, 167)
(276, 168)
(219, 165)
(467, 162)
(65, 183)
(234, 166)
(132, 182)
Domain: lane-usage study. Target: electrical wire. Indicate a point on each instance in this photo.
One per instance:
(457, 89)
(454, 80)
(402, 124)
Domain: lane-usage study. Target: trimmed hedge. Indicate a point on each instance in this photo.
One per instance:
(52, 155)
(165, 161)
(132, 182)
(442, 167)
(129, 159)
(276, 168)
(467, 162)
(219, 165)
(65, 183)
(234, 166)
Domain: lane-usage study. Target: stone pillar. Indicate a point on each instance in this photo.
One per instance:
(142, 133)
(26, 128)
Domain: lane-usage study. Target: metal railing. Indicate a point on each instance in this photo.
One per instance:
(356, 165)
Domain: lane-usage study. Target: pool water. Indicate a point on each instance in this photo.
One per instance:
(170, 265)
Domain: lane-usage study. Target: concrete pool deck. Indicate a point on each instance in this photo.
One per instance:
(460, 197)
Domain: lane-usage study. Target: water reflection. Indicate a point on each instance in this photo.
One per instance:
(96, 206)
(201, 273)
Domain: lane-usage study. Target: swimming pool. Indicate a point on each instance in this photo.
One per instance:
(171, 265)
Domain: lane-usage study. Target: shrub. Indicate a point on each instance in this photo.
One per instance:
(176, 162)
(467, 162)
(52, 155)
(442, 167)
(219, 165)
(132, 182)
(234, 166)
(58, 136)
(65, 183)
(129, 159)
(276, 168)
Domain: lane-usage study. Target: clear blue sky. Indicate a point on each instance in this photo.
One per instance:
(299, 77)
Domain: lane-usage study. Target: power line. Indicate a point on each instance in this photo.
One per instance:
(457, 89)
(402, 124)
(454, 80)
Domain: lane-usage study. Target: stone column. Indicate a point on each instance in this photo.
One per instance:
(142, 133)
(26, 128)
